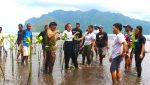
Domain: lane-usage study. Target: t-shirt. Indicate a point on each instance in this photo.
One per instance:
(138, 44)
(69, 35)
(43, 34)
(117, 43)
(51, 42)
(101, 39)
(79, 35)
(1, 39)
(77, 30)
(88, 39)
(27, 34)
(20, 36)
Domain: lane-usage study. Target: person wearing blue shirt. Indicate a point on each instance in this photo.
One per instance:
(26, 49)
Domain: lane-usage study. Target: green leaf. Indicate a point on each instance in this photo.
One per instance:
(39, 39)
(64, 37)
(133, 40)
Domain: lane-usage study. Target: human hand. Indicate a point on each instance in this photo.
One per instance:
(57, 31)
(58, 38)
(110, 59)
(141, 56)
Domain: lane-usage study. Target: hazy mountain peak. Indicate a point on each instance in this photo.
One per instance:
(93, 16)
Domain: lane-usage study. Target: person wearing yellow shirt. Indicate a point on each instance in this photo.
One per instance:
(51, 46)
(2, 42)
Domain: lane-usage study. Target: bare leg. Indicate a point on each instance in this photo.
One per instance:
(118, 74)
(114, 78)
(27, 60)
(18, 54)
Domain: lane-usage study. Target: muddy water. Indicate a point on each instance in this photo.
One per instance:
(94, 75)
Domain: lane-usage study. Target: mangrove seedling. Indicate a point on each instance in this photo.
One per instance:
(11, 39)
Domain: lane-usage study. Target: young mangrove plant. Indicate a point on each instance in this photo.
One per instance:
(39, 41)
(11, 38)
(29, 41)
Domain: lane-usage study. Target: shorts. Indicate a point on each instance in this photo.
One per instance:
(115, 64)
(26, 51)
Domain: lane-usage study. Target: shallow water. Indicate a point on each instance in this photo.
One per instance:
(94, 75)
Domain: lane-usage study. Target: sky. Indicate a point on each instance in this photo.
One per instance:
(14, 12)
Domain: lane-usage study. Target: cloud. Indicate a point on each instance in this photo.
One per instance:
(17, 11)
(126, 7)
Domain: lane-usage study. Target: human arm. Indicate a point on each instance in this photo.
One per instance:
(143, 48)
(106, 36)
(122, 41)
(51, 34)
(93, 42)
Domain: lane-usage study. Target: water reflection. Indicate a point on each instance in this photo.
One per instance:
(94, 75)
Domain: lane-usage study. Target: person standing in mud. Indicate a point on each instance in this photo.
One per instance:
(76, 43)
(117, 56)
(27, 35)
(128, 37)
(19, 41)
(102, 43)
(68, 46)
(43, 34)
(51, 46)
(139, 50)
(88, 45)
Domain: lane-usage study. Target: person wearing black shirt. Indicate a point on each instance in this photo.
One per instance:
(43, 34)
(139, 49)
(101, 42)
(76, 43)
(19, 40)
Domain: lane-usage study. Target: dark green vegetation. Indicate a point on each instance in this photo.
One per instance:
(106, 19)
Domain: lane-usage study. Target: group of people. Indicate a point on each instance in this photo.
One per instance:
(93, 40)
(125, 46)
(96, 40)
(23, 44)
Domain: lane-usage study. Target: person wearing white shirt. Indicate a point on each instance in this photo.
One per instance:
(88, 45)
(117, 52)
(68, 46)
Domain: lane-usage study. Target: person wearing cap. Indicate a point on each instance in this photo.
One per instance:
(117, 52)
(102, 43)
(128, 37)
(43, 34)
(51, 46)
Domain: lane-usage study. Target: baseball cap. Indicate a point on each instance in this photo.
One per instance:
(100, 27)
(125, 26)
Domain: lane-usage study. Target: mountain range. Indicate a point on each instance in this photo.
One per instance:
(85, 18)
